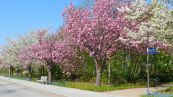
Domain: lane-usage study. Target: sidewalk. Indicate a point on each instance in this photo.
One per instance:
(135, 92)
(68, 92)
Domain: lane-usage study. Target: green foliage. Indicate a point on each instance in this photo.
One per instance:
(162, 67)
(127, 67)
(3, 70)
(56, 72)
(87, 71)
(130, 66)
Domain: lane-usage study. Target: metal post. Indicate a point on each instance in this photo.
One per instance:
(148, 69)
(9, 72)
(148, 74)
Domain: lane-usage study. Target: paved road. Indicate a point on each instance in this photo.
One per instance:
(9, 89)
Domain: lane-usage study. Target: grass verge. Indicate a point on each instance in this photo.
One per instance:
(92, 87)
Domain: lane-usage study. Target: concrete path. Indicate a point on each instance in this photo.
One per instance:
(67, 92)
(136, 92)
(10, 89)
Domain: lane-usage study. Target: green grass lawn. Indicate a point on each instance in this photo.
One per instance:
(18, 77)
(92, 87)
(147, 96)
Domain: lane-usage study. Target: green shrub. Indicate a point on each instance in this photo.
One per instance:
(56, 72)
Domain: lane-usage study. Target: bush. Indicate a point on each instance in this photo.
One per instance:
(56, 72)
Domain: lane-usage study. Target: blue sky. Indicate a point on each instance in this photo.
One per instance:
(21, 16)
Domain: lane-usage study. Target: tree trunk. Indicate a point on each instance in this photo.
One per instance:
(49, 74)
(109, 73)
(43, 70)
(98, 73)
(12, 70)
(18, 72)
(98, 77)
(30, 72)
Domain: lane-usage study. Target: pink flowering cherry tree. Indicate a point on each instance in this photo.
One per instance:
(99, 30)
(49, 51)
(66, 56)
(41, 51)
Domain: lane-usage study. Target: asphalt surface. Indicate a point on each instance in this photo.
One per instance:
(9, 89)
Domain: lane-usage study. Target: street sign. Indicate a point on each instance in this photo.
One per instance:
(151, 51)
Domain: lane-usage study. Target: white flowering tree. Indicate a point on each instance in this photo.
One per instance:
(154, 29)
(10, 51)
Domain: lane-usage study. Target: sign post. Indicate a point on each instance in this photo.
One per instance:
(150, 51)
(9, 72)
